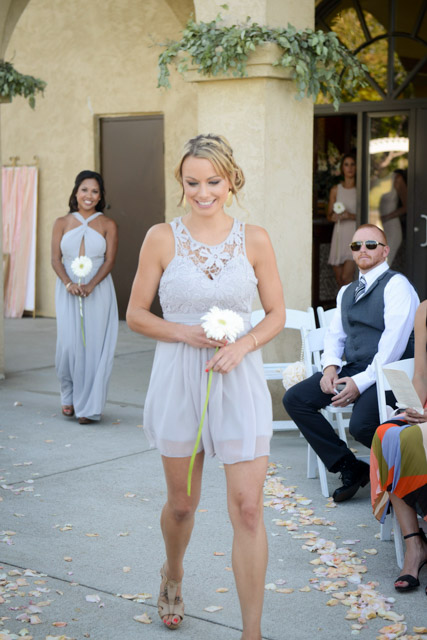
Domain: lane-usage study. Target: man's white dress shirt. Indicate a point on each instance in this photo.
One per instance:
(400, 304)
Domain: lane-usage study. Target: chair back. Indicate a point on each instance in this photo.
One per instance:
(313, 346)
(325, 317)
(383, 385)
(295, 318)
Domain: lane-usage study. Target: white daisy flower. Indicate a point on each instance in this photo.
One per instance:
(339, 207)
(222, 323)
(81, 266)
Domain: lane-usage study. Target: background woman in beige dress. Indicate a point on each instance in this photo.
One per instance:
(340, 256)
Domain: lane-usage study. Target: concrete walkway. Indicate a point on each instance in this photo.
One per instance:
(80, 536)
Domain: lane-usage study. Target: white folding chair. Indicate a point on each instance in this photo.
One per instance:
(295, 319)
(313, 346)
(324, 316)
(382, 386)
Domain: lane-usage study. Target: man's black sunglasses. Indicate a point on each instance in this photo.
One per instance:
(369, 244)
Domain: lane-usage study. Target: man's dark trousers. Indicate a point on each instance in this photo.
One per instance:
(303, 401)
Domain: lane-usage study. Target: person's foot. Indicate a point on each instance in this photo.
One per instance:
(85, 421)
(415, 560)
(67, 410)
(354, 474)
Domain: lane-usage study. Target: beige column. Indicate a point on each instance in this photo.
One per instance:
(272, 137)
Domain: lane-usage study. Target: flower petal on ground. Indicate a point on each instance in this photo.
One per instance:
(144, 618)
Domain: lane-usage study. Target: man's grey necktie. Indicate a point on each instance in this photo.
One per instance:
(360, 289)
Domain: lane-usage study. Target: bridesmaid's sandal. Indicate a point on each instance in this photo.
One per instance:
(68, 410)
(169, 603)
(412, 581)
(85, 421)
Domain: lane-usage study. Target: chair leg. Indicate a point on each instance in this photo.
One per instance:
(398, 541)
(311, 463)
(323, 479)
(385, 531)
(341, 427)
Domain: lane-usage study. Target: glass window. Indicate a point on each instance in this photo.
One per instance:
(388, 166)
(369, 33)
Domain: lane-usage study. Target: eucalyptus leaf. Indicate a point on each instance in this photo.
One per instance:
(13, 83)
(317, 59)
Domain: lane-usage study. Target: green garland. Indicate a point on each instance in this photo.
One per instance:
(316, 58)
(13, 83)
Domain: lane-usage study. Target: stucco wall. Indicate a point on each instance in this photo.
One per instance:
(98, 58)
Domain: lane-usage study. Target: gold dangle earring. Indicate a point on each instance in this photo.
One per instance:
(184, 201)
(229, 200)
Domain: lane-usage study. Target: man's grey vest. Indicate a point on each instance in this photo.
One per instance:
(363, 321)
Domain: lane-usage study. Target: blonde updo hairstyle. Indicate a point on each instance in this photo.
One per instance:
(217, 150)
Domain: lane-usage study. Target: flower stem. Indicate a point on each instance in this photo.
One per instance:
(199, 432)
(81, 317)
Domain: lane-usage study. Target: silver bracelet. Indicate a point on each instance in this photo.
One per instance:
(68, 285)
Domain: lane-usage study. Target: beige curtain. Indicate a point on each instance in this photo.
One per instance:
(19, 205)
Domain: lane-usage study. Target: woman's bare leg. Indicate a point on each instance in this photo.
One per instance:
(344, 273)
(416, 549)
(347, 273)
(338, 273)
(245, 482)
(177, 519)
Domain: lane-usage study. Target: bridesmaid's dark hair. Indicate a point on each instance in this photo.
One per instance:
(87, 175)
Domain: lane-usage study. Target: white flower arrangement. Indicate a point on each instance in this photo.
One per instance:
(220, 324)
(81, 267)
(293, 374)
(338, 208)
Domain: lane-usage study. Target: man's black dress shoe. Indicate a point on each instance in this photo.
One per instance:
(354, 474)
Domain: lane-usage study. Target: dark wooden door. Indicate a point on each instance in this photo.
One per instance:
(132, 165)
(418, 244)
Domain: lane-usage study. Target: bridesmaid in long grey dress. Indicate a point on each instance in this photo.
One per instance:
(84, 363)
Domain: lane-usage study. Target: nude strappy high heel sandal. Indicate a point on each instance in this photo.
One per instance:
(169, 603)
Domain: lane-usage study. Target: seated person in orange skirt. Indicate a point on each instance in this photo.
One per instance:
(399, 467)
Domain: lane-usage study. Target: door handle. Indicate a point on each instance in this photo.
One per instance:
(424, 244)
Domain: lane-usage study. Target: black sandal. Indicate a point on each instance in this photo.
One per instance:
(412, 581)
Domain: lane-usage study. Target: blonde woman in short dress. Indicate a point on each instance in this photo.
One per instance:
(207, 258)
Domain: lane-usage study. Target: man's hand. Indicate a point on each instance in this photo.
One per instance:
(329, 380)
(347, 395)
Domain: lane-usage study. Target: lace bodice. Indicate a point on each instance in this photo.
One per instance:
(200, 276)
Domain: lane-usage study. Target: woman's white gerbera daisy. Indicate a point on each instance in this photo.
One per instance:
(81, 266)
(222, 323)
(339, 207)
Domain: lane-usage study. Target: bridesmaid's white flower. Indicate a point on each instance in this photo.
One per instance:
(81, 266)
(339, 207)
(222, 323)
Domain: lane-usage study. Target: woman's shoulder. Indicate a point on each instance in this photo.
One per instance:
(62, 221)
(159, 233)
(108, 223)
(257, 235)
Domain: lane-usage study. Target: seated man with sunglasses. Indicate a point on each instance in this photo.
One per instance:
(374, 319)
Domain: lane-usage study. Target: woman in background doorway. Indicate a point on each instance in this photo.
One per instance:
(392, 207)
(342, 211)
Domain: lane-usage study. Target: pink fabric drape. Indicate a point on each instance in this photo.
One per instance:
(19, 206)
